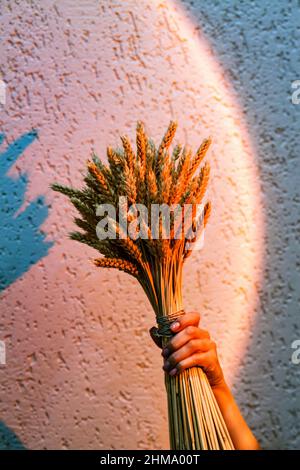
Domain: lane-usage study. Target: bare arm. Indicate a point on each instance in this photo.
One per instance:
(240, 433)
(192, 346)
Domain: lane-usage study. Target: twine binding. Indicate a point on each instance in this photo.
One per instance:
(165, 321)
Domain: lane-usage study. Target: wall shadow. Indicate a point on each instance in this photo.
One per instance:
(254, 46)
(9, 440)
(22, 243)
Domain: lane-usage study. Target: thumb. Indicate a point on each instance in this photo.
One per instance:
(157, 339)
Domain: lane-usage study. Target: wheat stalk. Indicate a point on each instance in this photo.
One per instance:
(153, 176)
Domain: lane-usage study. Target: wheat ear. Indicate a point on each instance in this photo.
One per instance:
(94, 170)
(118, 263)
(165, 144)
(200, 154)
(182, 170)
(141, 144)
(206, 214)
(129, 153)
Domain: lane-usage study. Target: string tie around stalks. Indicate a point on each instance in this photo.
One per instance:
(164, 323)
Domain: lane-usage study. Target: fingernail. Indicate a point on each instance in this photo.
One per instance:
(173, 372)
(167, 365)
(175, 325)
(165, 352)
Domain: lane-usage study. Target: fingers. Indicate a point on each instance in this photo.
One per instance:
(157, 339)
(188, 350)
(189, 318)
(188, 322)
(180, 339)
(202, 359)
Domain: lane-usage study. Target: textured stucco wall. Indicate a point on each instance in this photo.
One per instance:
(81, 370)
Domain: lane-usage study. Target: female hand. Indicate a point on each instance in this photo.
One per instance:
(190, 346)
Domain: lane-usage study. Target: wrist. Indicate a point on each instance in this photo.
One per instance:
(221, 388)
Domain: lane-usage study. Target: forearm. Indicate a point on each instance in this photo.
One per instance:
(241, 435)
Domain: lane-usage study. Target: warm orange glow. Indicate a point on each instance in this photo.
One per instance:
(230, 264)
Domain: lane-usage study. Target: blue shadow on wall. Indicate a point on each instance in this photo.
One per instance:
(21, 243)
(9, 440)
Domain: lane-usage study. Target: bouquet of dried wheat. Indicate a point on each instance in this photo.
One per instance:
(141, 211)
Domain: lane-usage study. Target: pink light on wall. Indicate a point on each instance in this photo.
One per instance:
(86, 75)
(228, 270)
